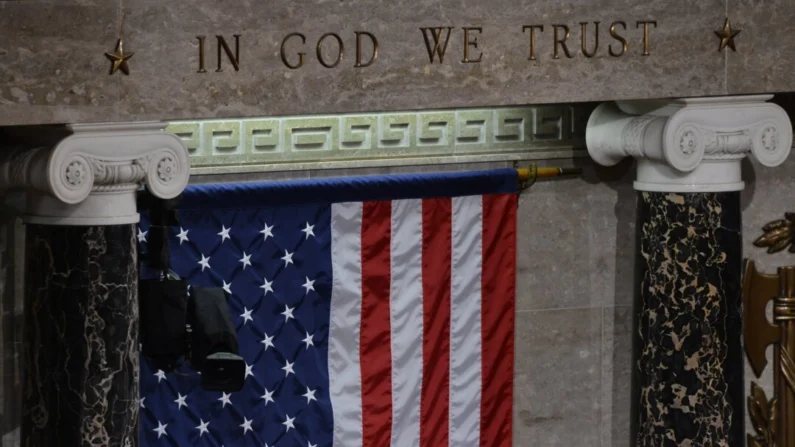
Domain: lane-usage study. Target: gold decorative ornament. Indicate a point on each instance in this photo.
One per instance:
(774, 419)
(527, 176)
(764, 417)
(778, 234)
(727, 35)
(119, 58)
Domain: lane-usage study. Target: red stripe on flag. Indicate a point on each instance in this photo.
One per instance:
(436, 258)
(498, 290)
(374, 341)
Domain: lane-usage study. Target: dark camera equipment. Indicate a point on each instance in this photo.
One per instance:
(214, 340)
(179, 325)
(163, 309)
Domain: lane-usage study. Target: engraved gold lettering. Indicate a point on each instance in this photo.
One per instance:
(301, 54)
(561, 42)
(359, 35)
(532, 29)
(438, 49)
(619, 38)
(583, 39)
(646, 24)
(471, 43)
(201, 54)
(320, 50)
(234, 59)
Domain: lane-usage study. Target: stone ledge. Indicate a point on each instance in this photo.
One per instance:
(382, 139)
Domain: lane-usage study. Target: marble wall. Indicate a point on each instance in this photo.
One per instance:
(575, 292)
(574, 354)
(53, 67)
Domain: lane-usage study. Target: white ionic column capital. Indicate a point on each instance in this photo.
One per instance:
(91, 177)
(690, 145)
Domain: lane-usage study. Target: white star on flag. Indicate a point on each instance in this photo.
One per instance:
(288, 313)
(182, 235)
(246, 425)
(249, 369)
(267, 231)
(142, 235)
(308, 340)
(268, 396)
(224, 233)
(267, 286)
(287, 258)
(181, 401)
(160, 375)
(246, 260)
(288, 368)
(310, 395)
(141, 402)
(227, 287)
(289, 422)
(246, 315)
(161, 429)
(225, 399)
(268, 341)
(311, 445)
(205, 262)
(202, 427)
(309, 230)
(309, 285)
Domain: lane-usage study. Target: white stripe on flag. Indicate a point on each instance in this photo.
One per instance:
(345, 380)
(465, 335)
(406, 309)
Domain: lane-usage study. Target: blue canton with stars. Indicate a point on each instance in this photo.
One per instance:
(276, 263)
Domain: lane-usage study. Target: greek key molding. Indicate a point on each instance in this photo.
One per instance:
(91, 176)
(292, 142)
(672, 140)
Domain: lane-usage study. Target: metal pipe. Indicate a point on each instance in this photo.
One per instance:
(526, 174)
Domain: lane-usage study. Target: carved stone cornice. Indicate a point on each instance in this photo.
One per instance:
(91, 176)
(690, 145)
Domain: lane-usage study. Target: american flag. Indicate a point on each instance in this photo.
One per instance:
(370, 312)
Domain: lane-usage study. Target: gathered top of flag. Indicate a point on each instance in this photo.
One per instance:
(370, 312)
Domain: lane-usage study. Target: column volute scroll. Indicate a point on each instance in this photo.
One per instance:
(690, 145)
(91, 176)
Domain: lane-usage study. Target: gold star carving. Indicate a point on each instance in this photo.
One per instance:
(119, 59)
(727, 35)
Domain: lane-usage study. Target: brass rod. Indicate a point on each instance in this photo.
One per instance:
(526, 173)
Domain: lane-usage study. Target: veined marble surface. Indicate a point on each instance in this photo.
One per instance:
(53, 68)
(757, 65)
(81, 356)
(689, 358)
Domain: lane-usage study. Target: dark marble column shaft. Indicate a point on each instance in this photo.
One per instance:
(688, 367)
(81, 339)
